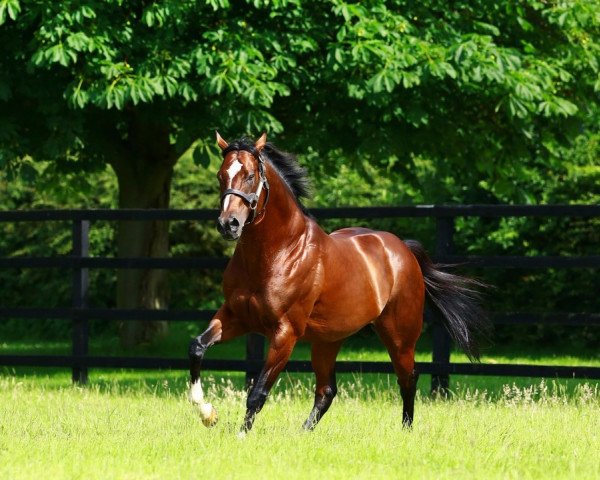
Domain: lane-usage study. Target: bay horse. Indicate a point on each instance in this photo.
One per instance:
(290, 281)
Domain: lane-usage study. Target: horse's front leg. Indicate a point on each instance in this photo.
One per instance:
(222, 327)
(280, 349)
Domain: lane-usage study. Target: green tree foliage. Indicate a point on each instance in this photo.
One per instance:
(91, 74)
(477, 85)
(485, 91)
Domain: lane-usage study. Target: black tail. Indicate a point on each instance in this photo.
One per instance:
(458, 299)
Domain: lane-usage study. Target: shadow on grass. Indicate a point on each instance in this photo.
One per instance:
(364, 346)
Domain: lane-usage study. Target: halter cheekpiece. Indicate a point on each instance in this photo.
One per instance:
(250, 198)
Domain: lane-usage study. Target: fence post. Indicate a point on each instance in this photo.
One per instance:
(81, 242)
(255, 351)
(441, 339)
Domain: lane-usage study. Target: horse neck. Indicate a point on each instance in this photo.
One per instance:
(279, 226)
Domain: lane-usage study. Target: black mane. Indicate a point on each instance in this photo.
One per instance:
(284, 163)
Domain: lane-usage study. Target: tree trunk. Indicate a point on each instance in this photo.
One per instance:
(144, 177)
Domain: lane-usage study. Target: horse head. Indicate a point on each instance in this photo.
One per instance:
(242, 181)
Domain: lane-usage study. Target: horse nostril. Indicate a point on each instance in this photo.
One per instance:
(220, 225)
(234, 223)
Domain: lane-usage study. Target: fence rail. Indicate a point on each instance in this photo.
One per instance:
(580, 319)
(79, 262)
(434, 211)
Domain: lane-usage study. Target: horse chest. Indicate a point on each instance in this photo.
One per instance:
(272, 291)
(245, 305)
(267, 305)
(253, 309)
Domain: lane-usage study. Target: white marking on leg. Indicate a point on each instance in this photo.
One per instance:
(207, 412)
(196, 395)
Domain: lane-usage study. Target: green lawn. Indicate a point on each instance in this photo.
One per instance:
(138, 424)
(131, 425)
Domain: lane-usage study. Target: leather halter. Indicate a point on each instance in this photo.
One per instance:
(252, 198)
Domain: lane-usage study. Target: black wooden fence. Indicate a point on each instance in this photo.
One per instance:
(79, 263)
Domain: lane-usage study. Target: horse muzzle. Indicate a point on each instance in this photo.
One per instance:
(229, 228)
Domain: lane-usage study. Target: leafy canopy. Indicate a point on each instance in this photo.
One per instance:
(486, 91)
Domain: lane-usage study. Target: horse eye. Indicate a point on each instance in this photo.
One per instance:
(250, 177)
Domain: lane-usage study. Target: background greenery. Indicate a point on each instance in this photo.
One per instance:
(385, 102)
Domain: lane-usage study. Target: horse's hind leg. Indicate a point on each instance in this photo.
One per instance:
(323, 357)
(399, 335)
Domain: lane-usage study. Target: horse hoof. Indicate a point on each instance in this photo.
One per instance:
(209, 415)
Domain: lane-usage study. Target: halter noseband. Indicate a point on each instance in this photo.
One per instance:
(250, 198)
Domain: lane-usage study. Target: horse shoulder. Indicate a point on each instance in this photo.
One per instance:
(297, 276)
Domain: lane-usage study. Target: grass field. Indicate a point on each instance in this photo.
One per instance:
(131, 425)
(139, 424)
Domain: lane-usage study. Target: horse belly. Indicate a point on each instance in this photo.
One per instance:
(335, 322)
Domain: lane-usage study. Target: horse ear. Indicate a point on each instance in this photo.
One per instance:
(222, 143)
(260, 143)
